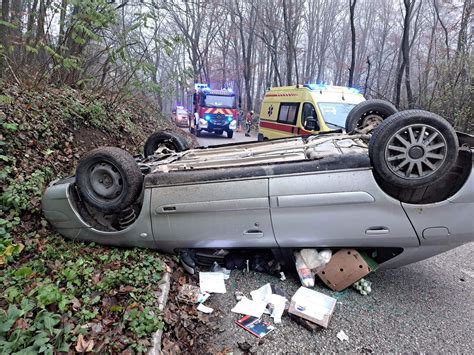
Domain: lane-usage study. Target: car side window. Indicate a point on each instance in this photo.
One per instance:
(288, 113)
(309, 111)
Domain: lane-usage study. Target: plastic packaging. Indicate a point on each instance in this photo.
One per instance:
(311, 258)
(363, 286)
(304, 272)
(315, 260)
(325, 255)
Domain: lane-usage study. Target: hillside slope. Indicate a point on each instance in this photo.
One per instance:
(57, 295)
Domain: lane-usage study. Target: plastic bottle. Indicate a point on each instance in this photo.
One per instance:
(304, 272)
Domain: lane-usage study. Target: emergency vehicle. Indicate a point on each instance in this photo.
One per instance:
(214, 111)
(305, 109)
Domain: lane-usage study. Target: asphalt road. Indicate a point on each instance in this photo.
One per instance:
(208, 139)
(424, 307)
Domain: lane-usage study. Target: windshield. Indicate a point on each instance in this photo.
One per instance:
(335, 113)
(219, 101)
(181, 111)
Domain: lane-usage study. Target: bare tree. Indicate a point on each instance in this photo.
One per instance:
(352, 4)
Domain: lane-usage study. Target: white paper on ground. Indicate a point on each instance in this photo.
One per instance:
(278, 303)
(342, 336)
(249, 307)
(212, 282)
(204, 308)
(262, 293)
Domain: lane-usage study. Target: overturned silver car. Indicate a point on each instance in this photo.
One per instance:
(406, 191)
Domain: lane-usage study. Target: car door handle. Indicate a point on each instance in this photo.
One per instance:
(255, 233)
(377, 230)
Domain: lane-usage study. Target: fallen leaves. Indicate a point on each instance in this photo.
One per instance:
(48, 131)
(83, 345)
(187, 328)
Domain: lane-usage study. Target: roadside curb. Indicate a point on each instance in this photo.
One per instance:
(162, 299)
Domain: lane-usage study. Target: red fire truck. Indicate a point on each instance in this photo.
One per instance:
(213, 111)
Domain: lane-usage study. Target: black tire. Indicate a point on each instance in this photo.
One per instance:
(109, 179)
(413, 149)
(230, 134)
(168, 139)
(438, 191)
(367, 112)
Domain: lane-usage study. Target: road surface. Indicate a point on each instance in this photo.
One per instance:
(426, 307)
(208, 139)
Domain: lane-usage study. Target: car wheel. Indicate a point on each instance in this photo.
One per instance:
(230, 134)
(413, 148)
(367, 115)
(109, 179)
(167, 140)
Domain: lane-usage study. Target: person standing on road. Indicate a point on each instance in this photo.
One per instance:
(248, 123)
(240, 118)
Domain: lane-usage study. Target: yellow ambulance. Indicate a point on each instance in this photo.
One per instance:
(305, 109)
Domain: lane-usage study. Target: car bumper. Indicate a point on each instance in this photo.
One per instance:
(214, 126)
(61, 212)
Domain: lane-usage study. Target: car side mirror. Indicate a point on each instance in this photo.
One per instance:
(311, 124)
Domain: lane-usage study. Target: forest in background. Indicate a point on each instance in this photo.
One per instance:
(414, 53)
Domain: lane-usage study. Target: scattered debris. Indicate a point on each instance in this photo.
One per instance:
(244, 346)
(188, 294)
(203, 296)
(276, 302)
(342, 336)
(238, 295)
(363, 286)
(250, 307)
(304, 272)
(255, 325)
(262, 293)
(313, 306)
(346, 267)
(217, 268)
(315, 260)
(187, 328)
(204, 308)
(191, 294)
(212, 282)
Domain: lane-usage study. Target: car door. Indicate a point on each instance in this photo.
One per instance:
(337, 208)
(224, 214)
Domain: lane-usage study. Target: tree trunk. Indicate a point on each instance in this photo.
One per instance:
(62, 19)
(4, 33)
(352, 4)
(406, 49)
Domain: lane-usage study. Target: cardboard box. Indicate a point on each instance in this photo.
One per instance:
(313, 306)
(346, 267)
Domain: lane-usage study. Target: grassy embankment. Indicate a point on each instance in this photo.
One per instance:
(57, 295)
